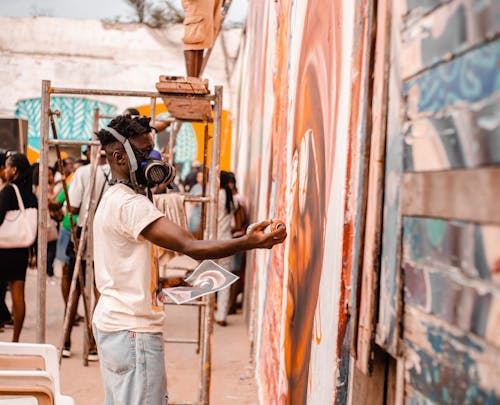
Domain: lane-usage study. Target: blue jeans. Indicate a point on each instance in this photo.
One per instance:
(62, 242)
(132, 367)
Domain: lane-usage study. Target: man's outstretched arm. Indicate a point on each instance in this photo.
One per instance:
(169, 235)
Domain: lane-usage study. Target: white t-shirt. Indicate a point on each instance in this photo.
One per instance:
(80, 190)
(124, 272)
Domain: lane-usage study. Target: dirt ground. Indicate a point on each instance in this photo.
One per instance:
(232, 375)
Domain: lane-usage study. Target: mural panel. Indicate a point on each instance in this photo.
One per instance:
(297, 293)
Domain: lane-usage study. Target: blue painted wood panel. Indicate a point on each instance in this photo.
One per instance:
(419, 7)
(446, 365)
(466, 137)
(449, 62)
(473, 77)
(471, 306)
(446, 33)
(470, 249)
(446, 380)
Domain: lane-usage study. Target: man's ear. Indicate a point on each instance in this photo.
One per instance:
(120, 157)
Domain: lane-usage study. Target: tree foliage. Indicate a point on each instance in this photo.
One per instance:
(155, 14)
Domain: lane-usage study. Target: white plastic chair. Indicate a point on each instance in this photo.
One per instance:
(29, 363)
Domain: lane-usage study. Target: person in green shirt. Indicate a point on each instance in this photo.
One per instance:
(66, 223)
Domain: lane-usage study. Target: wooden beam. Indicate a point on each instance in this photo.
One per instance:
(390, 282)
(182, 85)
(357, 164)
(370, 389)
(190, 108)
(466, 195)
(373, 226)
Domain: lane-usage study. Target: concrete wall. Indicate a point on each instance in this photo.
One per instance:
(93, 54)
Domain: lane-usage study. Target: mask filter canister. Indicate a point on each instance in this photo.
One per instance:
(156, 171)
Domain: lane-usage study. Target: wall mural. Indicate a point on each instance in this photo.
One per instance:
(76, 121)
(293, 71)
(299, 160)
(312, 150)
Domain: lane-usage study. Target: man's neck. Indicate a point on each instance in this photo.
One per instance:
(122, 180)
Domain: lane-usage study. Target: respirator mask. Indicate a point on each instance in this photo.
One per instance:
(147, 171)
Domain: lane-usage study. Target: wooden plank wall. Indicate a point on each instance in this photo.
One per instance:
(449, 141)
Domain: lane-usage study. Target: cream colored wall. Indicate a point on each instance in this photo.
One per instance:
(93, 54)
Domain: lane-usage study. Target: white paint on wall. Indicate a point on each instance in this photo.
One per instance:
(324, 366)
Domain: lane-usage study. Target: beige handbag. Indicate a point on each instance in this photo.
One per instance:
(52, 232)
(19, 227)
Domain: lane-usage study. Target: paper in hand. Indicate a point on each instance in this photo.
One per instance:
(207, 278)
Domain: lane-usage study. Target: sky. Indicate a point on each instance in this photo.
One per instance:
(88, 9)
(92, 9)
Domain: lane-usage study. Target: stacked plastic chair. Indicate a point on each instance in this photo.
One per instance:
(30, 371)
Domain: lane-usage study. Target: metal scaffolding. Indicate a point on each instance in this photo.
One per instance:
(209, 199)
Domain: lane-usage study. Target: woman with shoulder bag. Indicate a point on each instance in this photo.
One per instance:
(14, 260)
(5, 316)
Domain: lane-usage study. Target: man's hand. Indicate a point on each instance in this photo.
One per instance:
(259, 238)
(169, 235)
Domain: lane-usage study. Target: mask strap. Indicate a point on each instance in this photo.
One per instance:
(128, 148)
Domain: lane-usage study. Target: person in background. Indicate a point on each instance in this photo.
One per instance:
(239, 226)
(65, 227)
(15, 260)
(192, 177)
(55, 216)
(195, 215)
(3, 159)
(54, 219)
(80, 193)
(63, 254)
(64, 240)
(201, 26)
(68, 169)
(227, 206)
(5, 316)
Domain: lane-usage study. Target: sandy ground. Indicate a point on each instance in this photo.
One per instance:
(232, 375)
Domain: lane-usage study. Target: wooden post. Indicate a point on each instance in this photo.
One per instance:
(89, 251)
(42, 214)
(152, 111)
(213, 186)
(374, 210)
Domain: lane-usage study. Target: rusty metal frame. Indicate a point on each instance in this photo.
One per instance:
(211, 198)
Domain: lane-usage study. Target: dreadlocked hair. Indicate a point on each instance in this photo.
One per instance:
(127, 126)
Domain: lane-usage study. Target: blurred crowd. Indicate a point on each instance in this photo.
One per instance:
(74, 175)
